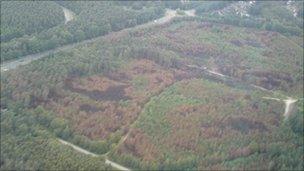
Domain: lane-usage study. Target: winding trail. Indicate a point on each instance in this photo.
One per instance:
(12, 64)
(271, 98)
(107, 161)
(207, 70)
(115, 165)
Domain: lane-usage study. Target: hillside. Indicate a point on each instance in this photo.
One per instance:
(190, 91)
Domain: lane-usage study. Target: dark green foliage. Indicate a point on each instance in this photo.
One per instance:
(93, 19)
(26, 17)
(194, 124)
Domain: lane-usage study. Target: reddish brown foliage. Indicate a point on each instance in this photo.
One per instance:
(104, 113)
(139, 145)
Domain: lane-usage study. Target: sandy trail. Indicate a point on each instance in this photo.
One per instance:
(77, 148)
(81, 150)
(115, 165)
(289, 104)
(271, 98)
(68, 14)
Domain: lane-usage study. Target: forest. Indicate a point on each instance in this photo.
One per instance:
(202, 92)
(93, 19)
(27, 144)
(24, 18)
(123, 15)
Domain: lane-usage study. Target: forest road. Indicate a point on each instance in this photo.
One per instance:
(81, 150)
(12, 64)
(289, 102)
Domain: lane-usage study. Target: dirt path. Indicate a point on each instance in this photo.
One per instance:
(68, 14)
(208, 70)
(205, 69)
(260, 88)
(271, 98)
(125, 137)
(216, 73)
(8, 65)
(81, 150)
(289, 104)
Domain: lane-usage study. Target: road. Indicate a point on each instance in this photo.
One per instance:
(8, 65)
(289, 104)
(81, 150)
